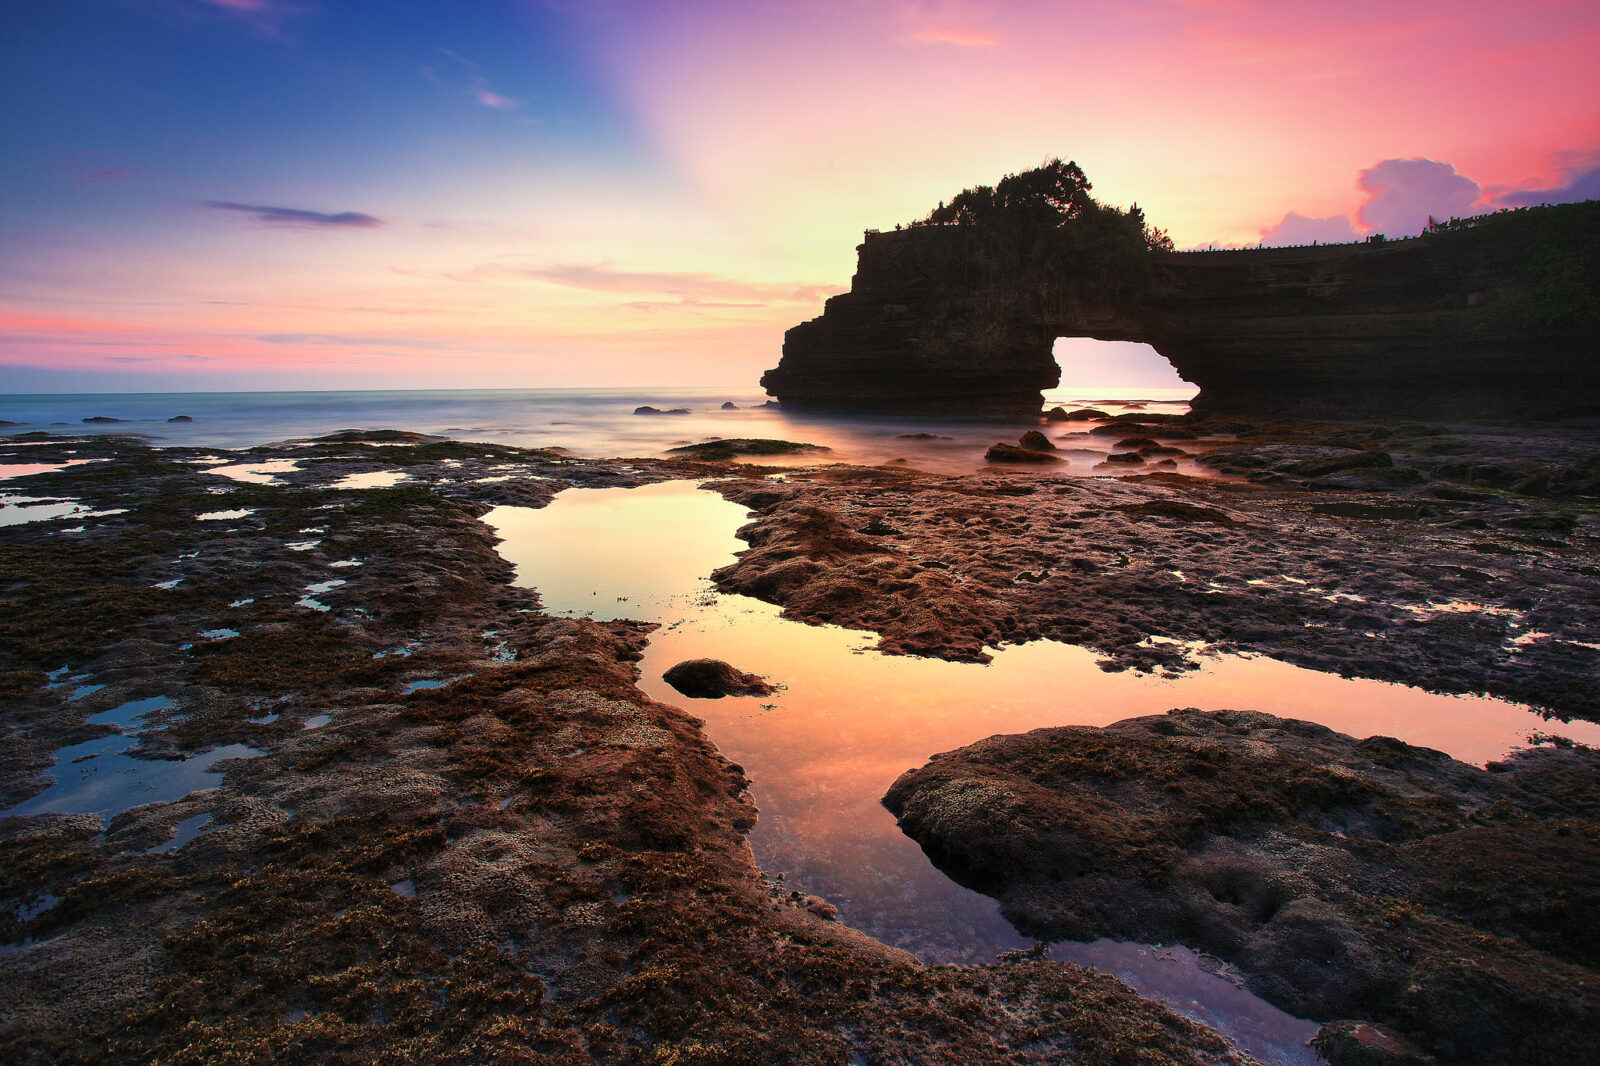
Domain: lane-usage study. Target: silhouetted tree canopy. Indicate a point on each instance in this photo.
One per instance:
(1050, 199)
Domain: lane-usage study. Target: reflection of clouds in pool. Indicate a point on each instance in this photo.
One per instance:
(100, 777)
(849, 721)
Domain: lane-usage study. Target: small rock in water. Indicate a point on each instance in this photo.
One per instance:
(1010, 453)
(712, 679)
(1035, 441)
(97, 419)
(181, 418)
(648, 410)
(729, 405)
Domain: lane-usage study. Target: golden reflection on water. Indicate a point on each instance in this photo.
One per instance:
(822, 751)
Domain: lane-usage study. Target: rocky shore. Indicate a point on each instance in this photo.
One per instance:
(1458, 560)
(455, 830)
(1428, 910)
(459, 832)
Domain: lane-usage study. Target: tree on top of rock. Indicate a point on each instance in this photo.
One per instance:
(1053, 196)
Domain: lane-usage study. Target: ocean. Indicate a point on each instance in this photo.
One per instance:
(598, 423)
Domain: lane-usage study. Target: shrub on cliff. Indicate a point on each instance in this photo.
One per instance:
(1052, 199)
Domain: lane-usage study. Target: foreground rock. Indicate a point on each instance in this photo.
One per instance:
(712, 679)
(529, 862)
(1368, 881)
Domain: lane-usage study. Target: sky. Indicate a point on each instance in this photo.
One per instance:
(254, 194)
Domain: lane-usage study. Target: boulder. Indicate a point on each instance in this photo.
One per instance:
(712, 679)
(1035, 441)
(1373, 881)
(1001, 452)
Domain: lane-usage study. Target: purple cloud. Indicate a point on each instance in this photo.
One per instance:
(1582, 186)
(295, 217)
(1301, 229)
(1402, 193)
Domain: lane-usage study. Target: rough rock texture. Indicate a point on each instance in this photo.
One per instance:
(1501, 318)
(1399, 565)
(725, 448)
(1357, 880)
(1001, 452)
(712, 679)
(532, 862)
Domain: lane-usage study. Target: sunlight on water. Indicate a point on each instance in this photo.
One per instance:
(598, 423)
(848, 720)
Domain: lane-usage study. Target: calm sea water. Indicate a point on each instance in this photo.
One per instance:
(590, 422)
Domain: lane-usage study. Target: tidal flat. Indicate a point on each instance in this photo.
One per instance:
(438, 819)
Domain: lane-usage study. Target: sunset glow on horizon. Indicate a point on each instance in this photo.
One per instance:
(245, 194)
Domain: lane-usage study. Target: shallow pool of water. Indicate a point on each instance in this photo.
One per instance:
(848, 720)
(373, 479)
(100, 777)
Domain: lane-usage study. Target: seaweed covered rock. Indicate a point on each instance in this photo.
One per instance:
(1359, 881)
(712, 679)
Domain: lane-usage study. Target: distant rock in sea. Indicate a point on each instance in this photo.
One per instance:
(718, 450)
(181, 418)
(97, 419)
(729, 405)
(1035, 441)
(648, 410)
(1010, 453)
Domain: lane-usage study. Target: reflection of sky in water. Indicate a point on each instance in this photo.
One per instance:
(373, 479)
(596, 422)
(100, 777)
(822, 752)
(10, 470)
(15, 510)
(255, 473)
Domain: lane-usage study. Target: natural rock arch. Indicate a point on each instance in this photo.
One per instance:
(1495, 317)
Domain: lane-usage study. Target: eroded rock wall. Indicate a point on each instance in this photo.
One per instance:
(1499, 319)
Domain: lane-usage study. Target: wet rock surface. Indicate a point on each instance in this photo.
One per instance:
(1417, 900)
(726, 448)
(712, 679)
(527, 861)
(1401, 563)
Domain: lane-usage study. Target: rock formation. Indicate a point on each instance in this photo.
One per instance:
(1497, 316)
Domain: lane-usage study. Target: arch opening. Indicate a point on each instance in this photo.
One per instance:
(1129, 371)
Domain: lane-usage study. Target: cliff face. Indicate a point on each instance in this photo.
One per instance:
(1498, 319)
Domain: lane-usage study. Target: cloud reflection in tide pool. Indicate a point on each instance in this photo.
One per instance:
(848, 720)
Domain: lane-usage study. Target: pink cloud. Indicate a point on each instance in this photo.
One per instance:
(1300, 229)
(1403, 193)
(467, 77)
(958, 36)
